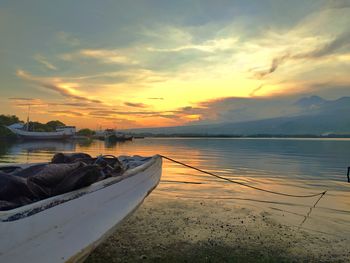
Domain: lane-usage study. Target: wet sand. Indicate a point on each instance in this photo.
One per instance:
(179, 230)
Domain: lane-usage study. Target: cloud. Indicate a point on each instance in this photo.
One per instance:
(70, 104)
(64, 89)
(25, 102)
(338, 4)
(210, 46)
(276, 62)
(104, 56)
(107, 113)
(154, 98)
(135, 105)
(169, 116)
(41, 59)
(66, 113)
(67, 38)
(107, 56)
(338, 45)
(235, 109)
(19, 101)
(252, 94)
(132, 113)
(120, 123)
(22, 99)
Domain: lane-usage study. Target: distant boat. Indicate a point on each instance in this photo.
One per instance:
(67, 227)
(112, 135)
(117, 137)
(63, 132)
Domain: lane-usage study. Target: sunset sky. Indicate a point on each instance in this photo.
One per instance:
(129, 64)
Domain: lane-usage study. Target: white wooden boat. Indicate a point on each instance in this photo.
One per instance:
(60, 133)
(66, 228)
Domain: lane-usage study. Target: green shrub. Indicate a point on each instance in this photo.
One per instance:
(85, 132)
(7, 120)
(6, 133)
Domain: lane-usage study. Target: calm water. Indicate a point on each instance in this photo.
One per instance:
(297, 166)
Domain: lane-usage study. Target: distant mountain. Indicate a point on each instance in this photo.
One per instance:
(320, 117)
(339, 105)
(310, 102)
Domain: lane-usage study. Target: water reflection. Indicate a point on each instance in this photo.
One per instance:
(284, 165)
(84, 142)
(33, 151)
(4, 147)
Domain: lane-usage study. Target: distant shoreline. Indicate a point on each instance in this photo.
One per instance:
(262, 136)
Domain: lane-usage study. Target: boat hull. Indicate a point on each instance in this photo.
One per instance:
(28, 135)
(69, 231)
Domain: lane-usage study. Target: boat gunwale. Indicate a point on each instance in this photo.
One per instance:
(52, 135)
(42, 205)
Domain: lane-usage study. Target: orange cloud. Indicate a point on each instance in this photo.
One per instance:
(64, 89)
(66, 113)
(108, 56)
(135, 105)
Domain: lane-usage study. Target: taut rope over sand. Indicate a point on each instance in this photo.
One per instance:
(244, 184)
(254, 187)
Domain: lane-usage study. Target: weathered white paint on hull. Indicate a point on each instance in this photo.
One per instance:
(71, 230)
(56, 135)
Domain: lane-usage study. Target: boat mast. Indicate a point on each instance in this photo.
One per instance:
(28, 117)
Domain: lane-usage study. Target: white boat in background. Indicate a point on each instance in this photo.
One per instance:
(66, 228)
(63, 132)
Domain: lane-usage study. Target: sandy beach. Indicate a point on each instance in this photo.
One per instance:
(180, 230)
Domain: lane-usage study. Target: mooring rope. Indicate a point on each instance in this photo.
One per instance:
(322, 194)
(312, 207)
(246, 185)
(181, 182)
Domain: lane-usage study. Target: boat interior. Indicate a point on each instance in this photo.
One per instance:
(22, 184)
